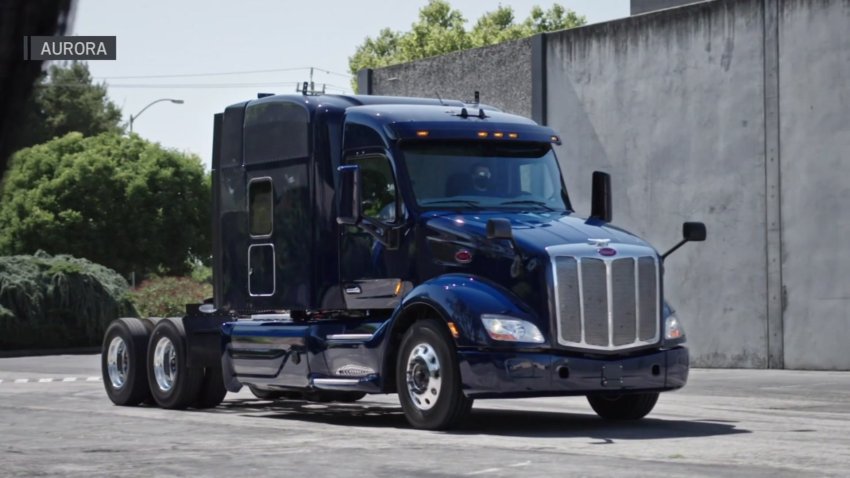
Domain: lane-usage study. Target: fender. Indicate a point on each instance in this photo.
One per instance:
(458, 298)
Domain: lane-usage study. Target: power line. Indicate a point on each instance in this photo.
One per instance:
(190, 85)
(221, 73)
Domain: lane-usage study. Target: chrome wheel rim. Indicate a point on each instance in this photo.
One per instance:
(424, 379)
(165, 364)
(118, 362)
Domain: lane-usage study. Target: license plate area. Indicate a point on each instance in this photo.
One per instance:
(612, 375)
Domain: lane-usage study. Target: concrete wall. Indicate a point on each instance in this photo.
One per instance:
(671, 106)
(731, 112)
(502, 74)
(644, 6)
(814, 101)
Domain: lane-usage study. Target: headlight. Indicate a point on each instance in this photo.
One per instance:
(510, 329)
(673, 329)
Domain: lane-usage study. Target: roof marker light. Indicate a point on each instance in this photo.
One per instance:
(482, 134)
(422, 134)
(513, 135)
(498, 135)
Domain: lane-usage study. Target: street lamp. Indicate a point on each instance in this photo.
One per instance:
(136, 116)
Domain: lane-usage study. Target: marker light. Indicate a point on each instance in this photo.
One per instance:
(398, 288)
(498, 135)
(453, 328)
(510, 329)
(482, 134)
(422, 134)
(673, 328)
(513, 135)
(554, 139)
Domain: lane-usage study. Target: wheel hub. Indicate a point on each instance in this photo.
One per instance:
(118, 362)
(165, 364)
(424, 379)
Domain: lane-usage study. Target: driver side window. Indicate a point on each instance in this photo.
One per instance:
(378, 188)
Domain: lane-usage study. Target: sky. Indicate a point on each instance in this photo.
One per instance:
(197, 37)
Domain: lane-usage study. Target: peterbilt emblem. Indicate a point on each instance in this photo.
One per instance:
(599, 242)
(607, 251)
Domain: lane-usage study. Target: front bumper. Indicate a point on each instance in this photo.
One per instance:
(492, 374)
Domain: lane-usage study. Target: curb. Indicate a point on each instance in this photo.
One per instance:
(43, 352)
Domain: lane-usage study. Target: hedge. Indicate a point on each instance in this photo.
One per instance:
(58, 301)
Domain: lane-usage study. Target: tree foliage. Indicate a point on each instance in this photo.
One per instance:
(119, 201)
(67, 100)
(58, 301)
(441, 29)
(168, 296)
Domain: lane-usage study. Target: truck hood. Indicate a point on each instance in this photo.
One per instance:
(533, 231)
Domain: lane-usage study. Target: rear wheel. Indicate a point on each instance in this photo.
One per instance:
(623, 407)
(212, 390)
(428, 378)
(122, 362)
(172, 383)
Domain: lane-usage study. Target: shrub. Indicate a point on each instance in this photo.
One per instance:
(168, 296)
(58, 301)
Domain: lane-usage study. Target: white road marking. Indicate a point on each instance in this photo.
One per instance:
(481, 472)
(21, 380)
(92, 379)
(45, 380)
(52, 380)
(524, 463)
(69, 379)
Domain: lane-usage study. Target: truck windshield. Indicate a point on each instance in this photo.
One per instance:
(483, 175)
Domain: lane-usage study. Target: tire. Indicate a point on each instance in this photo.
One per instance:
(172, 384)
(122, 362)
(623, 407)
(263, 394)
(212, 390)
(429, 386)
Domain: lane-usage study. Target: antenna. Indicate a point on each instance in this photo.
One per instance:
(439, 98)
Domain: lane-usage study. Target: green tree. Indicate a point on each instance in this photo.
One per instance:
(441, 29)
(119, 201)
(67, 100)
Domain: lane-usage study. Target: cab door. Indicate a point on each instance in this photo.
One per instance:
(372, 271)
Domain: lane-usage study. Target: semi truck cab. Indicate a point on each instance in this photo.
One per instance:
(429, 248)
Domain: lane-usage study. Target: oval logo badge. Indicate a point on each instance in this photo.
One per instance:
(608, 251)
(463, 256)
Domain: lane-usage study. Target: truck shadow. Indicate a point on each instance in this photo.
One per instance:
(486, 421)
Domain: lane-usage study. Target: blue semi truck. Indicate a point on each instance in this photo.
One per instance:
(368, 244)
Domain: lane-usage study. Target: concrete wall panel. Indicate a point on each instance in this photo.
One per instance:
(671, 105)
(501, 73)
(814, 46)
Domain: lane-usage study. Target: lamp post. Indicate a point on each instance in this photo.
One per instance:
(136, 116)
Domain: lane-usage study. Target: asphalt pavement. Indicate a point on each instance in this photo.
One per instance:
(55, 419)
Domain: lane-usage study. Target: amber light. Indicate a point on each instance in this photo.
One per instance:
(422, 134)
(513, 135)
(454, 329)
(482, 134)
(498, 135)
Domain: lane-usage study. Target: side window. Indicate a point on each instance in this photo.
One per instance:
(260, 200)
(378, 188)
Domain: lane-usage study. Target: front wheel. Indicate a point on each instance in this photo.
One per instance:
(623, 407)
(428, 379)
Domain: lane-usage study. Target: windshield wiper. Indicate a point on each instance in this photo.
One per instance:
(468, 202)
(528, 201)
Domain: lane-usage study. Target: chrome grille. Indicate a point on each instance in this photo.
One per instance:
(606, 303)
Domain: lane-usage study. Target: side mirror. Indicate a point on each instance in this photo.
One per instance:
(691, 231)
(350, 203)
(600, 202)
(499, 228)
